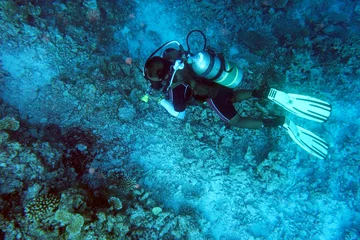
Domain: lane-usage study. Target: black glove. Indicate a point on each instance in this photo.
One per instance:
(274, 122)
(262, 93)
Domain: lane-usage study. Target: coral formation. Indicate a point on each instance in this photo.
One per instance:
(3, 137)
(156, 210)
(73, 222)
(9, 123)
(123, 182)
(41, 206)
(20, 167)
(115, 203)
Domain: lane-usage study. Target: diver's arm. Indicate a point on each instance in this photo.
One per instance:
(178, 96)
(168, 105)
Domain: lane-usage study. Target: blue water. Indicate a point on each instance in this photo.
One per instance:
(86, 137)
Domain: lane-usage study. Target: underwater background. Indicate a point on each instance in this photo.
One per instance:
(81, 157)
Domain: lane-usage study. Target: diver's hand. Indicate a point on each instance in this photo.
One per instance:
(155, 98)
(152, 96)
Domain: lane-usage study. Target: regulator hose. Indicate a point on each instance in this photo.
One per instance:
(187, 39)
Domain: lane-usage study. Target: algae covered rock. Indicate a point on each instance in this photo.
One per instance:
(74, 222)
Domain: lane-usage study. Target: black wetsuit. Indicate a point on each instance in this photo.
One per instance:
(222, 102)
(187, 84)
(179, 96)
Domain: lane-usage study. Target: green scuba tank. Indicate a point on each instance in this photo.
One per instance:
(215, 68)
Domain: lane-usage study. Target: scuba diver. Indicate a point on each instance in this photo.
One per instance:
(180, 75)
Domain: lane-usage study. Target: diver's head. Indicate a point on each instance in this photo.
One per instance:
(157, 70)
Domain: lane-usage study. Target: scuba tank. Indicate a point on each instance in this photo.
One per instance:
(215, 68)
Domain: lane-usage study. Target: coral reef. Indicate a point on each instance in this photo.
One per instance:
(82, 158)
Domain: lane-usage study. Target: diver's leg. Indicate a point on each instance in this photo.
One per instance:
(256, 123)
(262, 93)
(245, 122)
(222, 104)
(240, 95)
